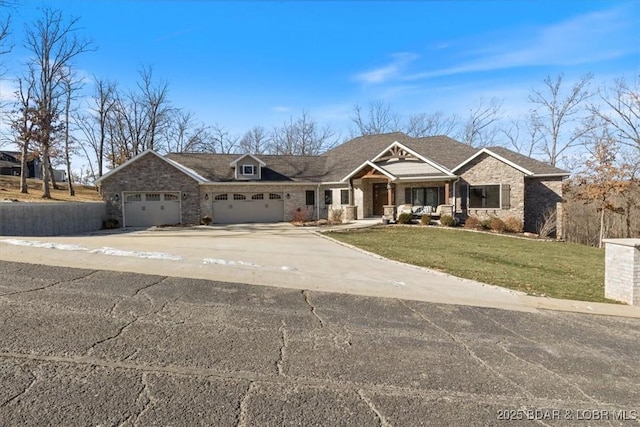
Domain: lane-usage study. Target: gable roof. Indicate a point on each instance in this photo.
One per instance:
(260, 162)
(180, 167)
(525, 164)
(217, 167)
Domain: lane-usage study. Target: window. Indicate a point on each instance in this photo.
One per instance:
(170, 196)
(328, 197)
(274, 196)
(152, 197)
(344, 197)
(248, 170)
(484, 196)
(220, 197)
(424, 196)
(310, 197)
(259, 196)
(239, 197)
(134, 197)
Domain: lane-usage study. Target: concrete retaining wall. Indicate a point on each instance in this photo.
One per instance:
(50, 219)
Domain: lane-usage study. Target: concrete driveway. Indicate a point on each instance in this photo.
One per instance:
(275, 255)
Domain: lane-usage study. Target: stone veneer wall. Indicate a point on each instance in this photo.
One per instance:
(540, 195)
(622, 270)
(486, 170)
(150, 173)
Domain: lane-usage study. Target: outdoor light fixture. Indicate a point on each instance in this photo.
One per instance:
(288, 196)
(388, 186)
(206, 196)
(117, 197)
(184, 196)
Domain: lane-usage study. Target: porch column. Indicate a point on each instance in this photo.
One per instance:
(389, 194)
(389, 208)
(351, 192)
(351, 211)
(446, 192)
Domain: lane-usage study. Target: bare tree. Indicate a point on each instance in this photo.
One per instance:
(156, 106)
(53, 44)
(479, 129)
(523, 136)
(183, 134)
(302, 137)
(434, 124)
(378, 119)
(71, 86)
(255, 141)
(621, 111)
(556, 110)
(220, 140)
(23, 123)
(94, 125)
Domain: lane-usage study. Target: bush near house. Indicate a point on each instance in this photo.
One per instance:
(448, 221)
(472, 223)
(513, 225)
(496, 224)
(425, 220)
(404, 218)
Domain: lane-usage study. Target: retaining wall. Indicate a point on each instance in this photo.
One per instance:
(50, 219)
(622, 270)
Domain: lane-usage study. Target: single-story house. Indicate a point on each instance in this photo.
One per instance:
(365, 177)
(10, 165)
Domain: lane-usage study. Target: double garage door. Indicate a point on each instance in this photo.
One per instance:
(233, 208)
(144, 209)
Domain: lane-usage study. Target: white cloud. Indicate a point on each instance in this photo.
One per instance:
(382, 74)
(583, 39)
(282, 109)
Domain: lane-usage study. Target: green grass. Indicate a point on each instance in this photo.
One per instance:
(555, 269)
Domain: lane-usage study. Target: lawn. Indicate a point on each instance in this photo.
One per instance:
(10, 189)
(555, 269)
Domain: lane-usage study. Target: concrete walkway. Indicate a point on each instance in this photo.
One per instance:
(275, 255)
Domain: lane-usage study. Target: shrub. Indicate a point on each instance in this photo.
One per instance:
(485, 224)
(448, 221)
(206, 220)
(497, 224)
(513, 225)
(546, 226)
(472, 222)
(425, 220)
(299, 215)
(110, 223)
(404, 218)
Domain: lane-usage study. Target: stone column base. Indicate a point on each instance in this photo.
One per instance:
(390, 212)
(350, 213)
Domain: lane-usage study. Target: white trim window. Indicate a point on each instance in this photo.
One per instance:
(248, 170)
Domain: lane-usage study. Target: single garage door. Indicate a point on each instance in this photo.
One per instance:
(145, 209)
(237, 208)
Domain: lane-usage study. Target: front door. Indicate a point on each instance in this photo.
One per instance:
(379, 198)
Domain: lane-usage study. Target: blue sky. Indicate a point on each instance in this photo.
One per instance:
(241, 64)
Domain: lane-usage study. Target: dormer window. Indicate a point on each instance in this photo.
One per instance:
(248, 170)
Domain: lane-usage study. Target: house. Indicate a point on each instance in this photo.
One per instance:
(368, 176)
(10, 165)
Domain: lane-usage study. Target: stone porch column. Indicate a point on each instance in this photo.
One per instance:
(622, 270)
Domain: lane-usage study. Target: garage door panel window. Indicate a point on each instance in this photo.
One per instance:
(152, 197)
(220, 197)
(237, 196)
(274, 196)
(170, 197)
(257, 197)
(134, 197)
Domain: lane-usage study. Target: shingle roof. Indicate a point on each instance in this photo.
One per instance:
(340, 161)
(217, 167)
(533, 165)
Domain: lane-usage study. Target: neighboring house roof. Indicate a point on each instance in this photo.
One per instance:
(180, 167)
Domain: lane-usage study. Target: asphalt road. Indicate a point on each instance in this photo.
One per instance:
(87, 347)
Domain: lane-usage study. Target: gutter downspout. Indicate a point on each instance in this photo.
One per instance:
(318, 204)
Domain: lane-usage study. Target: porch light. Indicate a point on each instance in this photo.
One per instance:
(184, 196)
(388, 185)
(206, 196)
(288, 196)
(117, 197)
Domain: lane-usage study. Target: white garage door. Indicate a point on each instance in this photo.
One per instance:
(145, 209)
(237, 208)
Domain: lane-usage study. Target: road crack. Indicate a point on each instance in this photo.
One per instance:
(305, 294)
(242, 408)
(17, 396)
(381, 418)
(49, 285)
(283, 348)
(469, 351)
(109, 338)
